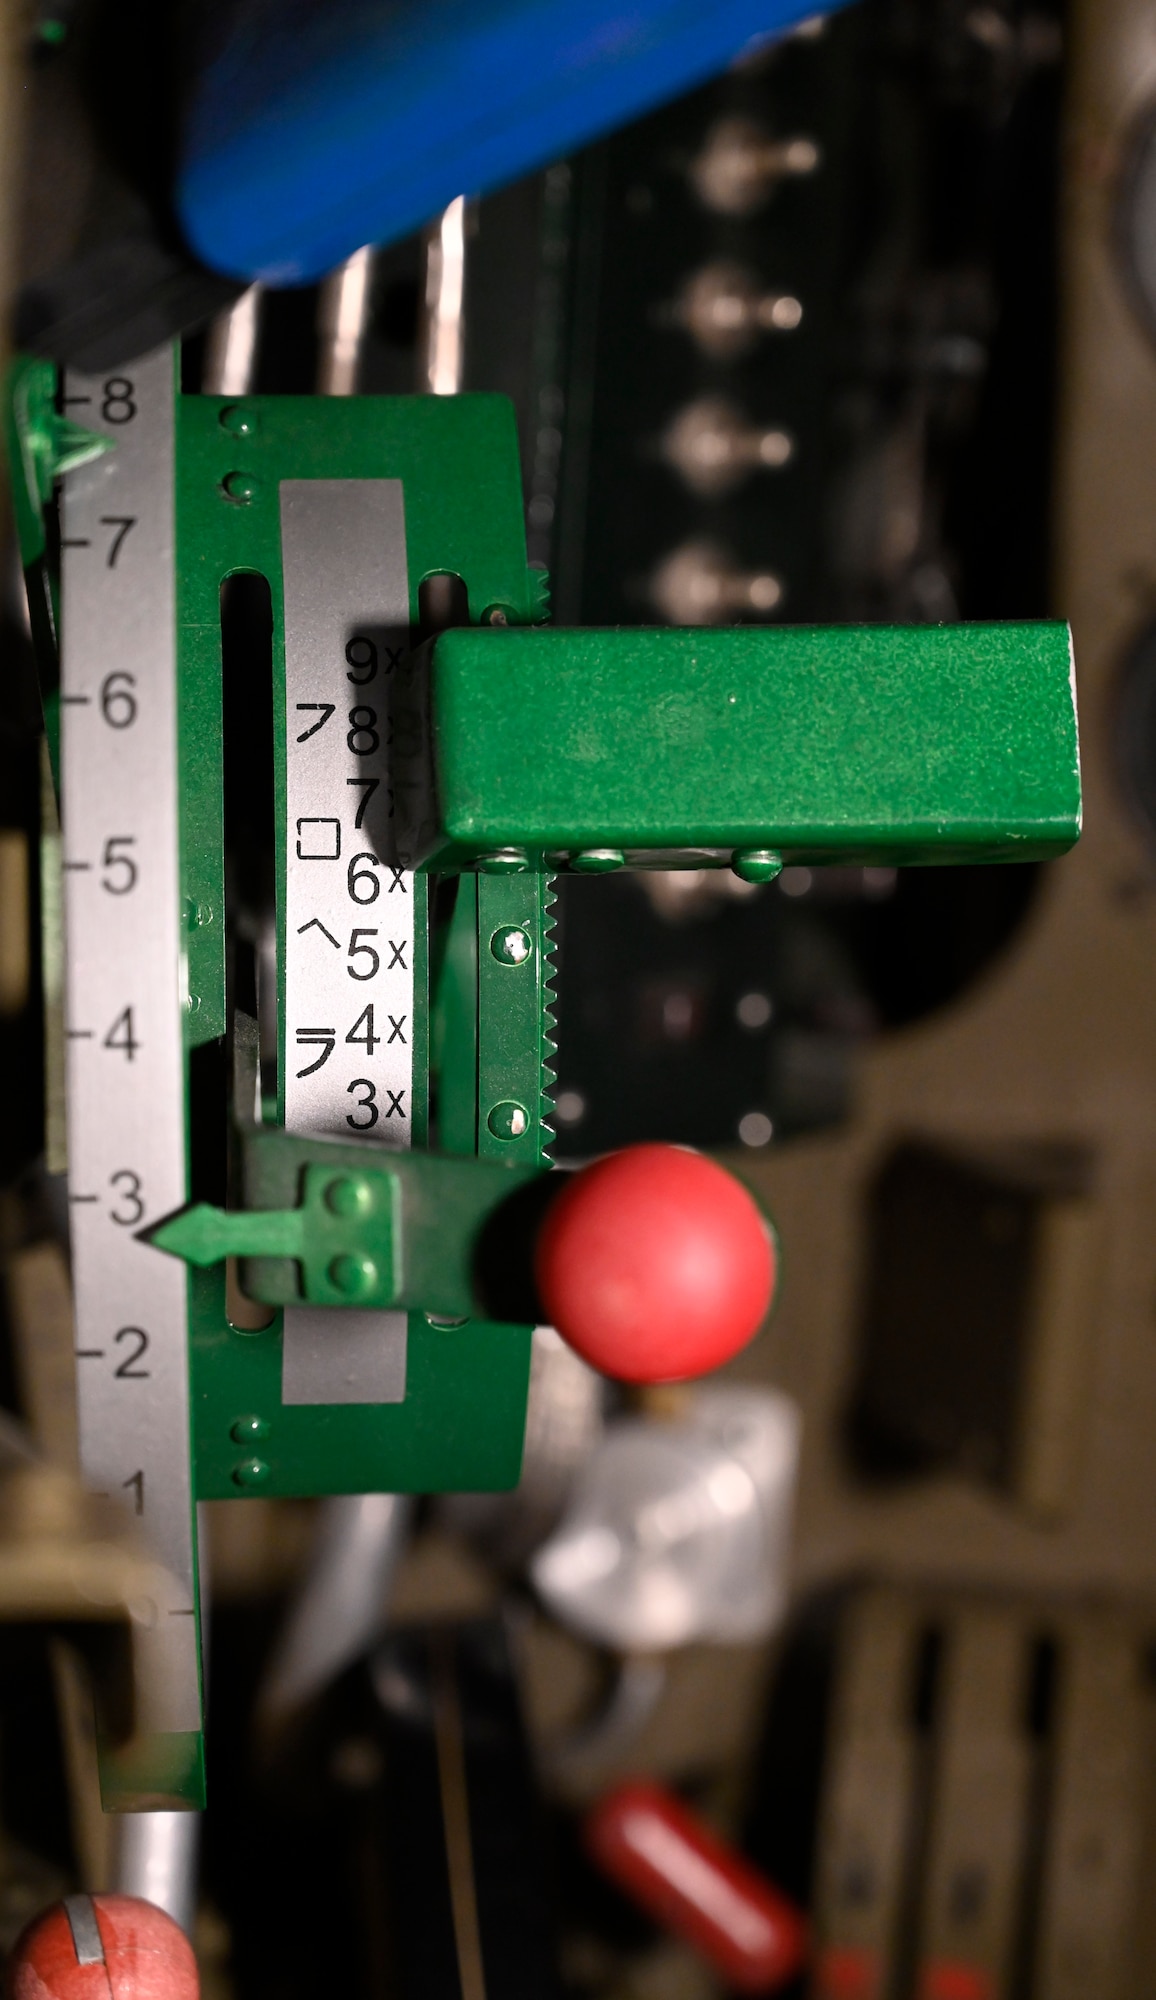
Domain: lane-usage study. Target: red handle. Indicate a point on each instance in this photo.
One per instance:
(656, 1264)
(103, 1948)
(689, 1880)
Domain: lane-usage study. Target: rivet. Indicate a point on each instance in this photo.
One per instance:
(443, 1322)
(497, 614)
(249, 1430)
(238, 421)
(356, 1277)
(756, 864)
(350, 1197)
(511, 947)
(598, 860)
(509, 1120)
(504, 861)
(241, 486)
(251, 1472)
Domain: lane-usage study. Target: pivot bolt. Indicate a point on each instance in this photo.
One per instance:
(509, 1121)
(511, 947)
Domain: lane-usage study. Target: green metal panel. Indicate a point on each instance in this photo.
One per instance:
(460, 1426)
(458, 1430)
(852, 743)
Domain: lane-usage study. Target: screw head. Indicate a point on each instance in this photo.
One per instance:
(356, 1277)
(238, 421)
(249, 1430)
(351, 1197)
(598, 860)
(251, 1472)
(756, 864)
(511, 946)
(504, 861)
(509, 1120)
(241, 486)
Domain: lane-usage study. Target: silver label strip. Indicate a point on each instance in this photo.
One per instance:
(124, 980)
(349, 941)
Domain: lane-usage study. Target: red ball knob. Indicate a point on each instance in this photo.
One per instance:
(684, 1876)
(94, 1947)
(655, 1264)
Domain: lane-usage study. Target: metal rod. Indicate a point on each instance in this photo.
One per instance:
(342, 317)
(343, 1603)
(231, 347)
(441, 365)
(156, 1858)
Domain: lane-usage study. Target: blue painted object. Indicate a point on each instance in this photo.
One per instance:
(320, 125)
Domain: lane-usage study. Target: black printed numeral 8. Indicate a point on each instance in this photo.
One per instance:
(118, 406)
(363, 738)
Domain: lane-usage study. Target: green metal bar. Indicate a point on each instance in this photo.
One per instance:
(511, 1002)
(849, 744)
(333, 1224)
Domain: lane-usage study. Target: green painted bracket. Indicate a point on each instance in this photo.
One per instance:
(461, 1422)
(748, 747)
(336, 1225)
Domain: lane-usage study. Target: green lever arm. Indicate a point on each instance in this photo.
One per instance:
(745, 747)
(362, 1225)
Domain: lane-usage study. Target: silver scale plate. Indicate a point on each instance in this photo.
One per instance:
(124, 991)
(348, 1044)
(345, 578)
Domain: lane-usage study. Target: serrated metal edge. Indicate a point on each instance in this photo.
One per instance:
(549, 1024)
